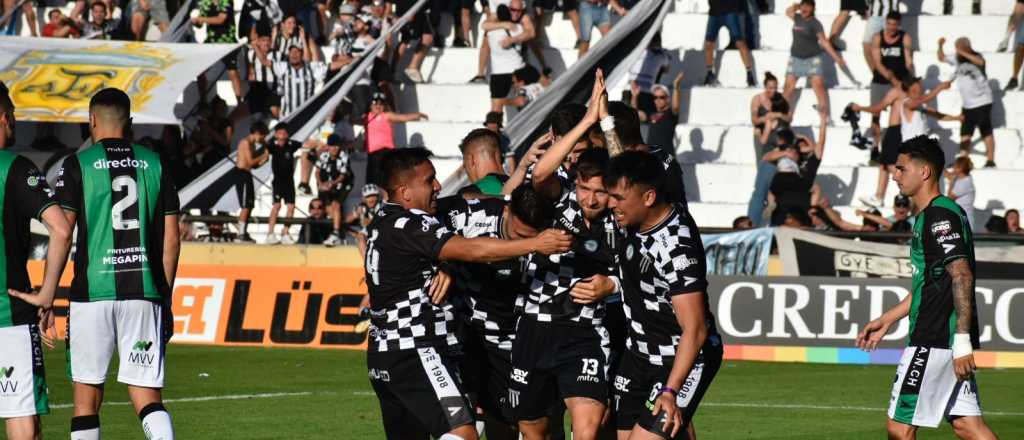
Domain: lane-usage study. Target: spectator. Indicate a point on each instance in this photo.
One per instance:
(793, 185)
(463, 23)
(819, 220)
(662, 121)
(334, 181)
(527, 33)
(769, 111)
(997, 224)
(783, 140)
(742, 223)
(1013, 222)
(379, 132)
(299, 79)
(805, 53)
(867, 225)
(899, 221)
(364, 214)
(252, 153)
(304, 14)
(262, 97)
(893, 58)
(219, 18)
(99, 26)
(417, 31)
(256, 15)
(493, 122)
(315, 230)
(593, 13)
(288, 35)
(505, 36)
(646, 72)
(282, 163)
(975, 95)
(1013, 24)
(60, 26)
(343, 34)
(728, 14)
(961, 186)
(846, 7)
(481, 159)
(525, 82)
(877, 11)
(146, 11)
(796, 218)
(628, 133)
(11, 26)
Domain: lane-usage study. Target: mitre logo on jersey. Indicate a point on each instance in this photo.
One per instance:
(7, 386)
(106, 164)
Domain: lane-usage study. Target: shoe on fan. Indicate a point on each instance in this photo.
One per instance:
(287, 239)
(332, 241)
(271, 239)
(414, 75)
(872, 201)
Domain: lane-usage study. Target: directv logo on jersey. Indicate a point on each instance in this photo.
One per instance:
(101, 164)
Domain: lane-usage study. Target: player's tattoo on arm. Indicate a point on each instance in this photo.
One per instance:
(963, 293)
(613, 143)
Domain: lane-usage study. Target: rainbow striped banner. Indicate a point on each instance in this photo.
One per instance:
(849, 355)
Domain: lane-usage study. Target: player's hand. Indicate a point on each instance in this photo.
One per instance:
(35, 298)
(592, 289)
(552, 241)
(536, 150)
(872, 334)
(593, 108)
(673, 420)
(439, 287)
(964, 367)
(47, 329)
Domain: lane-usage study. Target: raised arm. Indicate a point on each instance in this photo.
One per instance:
(941, 51)
(677, 94)
(882, 221)
(915, 103)
(791, 10)
(908, 52)
(405, 117)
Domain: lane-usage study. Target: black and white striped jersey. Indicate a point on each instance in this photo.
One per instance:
(881, 8)
(485, 294)
(298, 83)
(401, 259)
(666, 261)
(263, 73)
(549, 278)
(283, 44)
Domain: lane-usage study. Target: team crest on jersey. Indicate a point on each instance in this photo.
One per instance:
(629, 252)
(590, 245)
(32, 181)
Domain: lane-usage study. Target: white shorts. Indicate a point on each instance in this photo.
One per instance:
(926, 389)
(873, 26)
(134, 327)
(22, 376)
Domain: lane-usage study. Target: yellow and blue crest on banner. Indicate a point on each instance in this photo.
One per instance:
(56, 84)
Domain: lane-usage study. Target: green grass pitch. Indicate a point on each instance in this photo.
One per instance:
(321, 394)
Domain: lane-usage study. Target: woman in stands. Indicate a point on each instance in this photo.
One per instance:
(287, 35)
(809, 41)
(768, 110)
(506, 53)
(379, 132)
(961, 186)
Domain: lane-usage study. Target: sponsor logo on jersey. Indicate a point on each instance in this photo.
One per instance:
(622, 383)
(519, 375)
(32, 181)
(7, 386)
(587, 378)
(106, 164)
(941, 227)
(948, 237)
(140, 354)
(590, 245)
(381, 375)
(629, 252)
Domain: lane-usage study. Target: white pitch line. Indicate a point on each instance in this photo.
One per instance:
(829, 408)
(204, 398)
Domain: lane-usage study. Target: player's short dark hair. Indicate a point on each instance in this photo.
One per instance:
(531, 208)
(259, 127)
(395, 164)
(527, 74)
(6, 105)
(894, 15)
(637, 168)
(564, 118)
(282, 126)
(480, 136)
(114, 101)
(925, 149)
(627, 123)
(592, 162)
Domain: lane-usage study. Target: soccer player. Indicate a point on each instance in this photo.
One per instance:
(409, 356)
(251, 154)
(125, 208)
(674, 350)
(487, 295)
(24, 196)
(282, 153)
(935, 378)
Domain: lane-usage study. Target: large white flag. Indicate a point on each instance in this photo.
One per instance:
(52, 79)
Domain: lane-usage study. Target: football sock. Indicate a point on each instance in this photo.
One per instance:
(156, 422)
(85, 427)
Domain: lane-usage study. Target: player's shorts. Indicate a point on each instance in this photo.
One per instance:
(978, 117)
(419, 392)
(22, 376)
(486, 370)
(638, 382)
(244, 189)
(926, 389)
(892, 139)
(873, 26)
(284, 190)
(135, 327)
(552, 362)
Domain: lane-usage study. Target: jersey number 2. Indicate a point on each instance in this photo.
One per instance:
(127, 184)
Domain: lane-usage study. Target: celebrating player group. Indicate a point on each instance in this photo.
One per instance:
(584, 290)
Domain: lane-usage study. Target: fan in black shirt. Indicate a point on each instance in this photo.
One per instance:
(282, 163)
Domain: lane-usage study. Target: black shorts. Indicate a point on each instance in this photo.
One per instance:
(858, 6)
(570, 5)
(261, 98)
(284, 190)
(980, 117)
(552, 362)
(244, 189)
(638, 383)
(335, 195)
(231, 60)
(419, 392)
(486, 370)
(892, 139)
(500, 84)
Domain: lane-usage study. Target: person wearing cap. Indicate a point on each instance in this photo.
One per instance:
(361, 217)
(334, 181)
(282, 163)
(343, 34)
(805, 54)
(380, 133)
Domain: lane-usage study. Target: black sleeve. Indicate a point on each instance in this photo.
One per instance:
(168, 192)
(944, 236)
(69, 184)
(29, 187)
(453, 211)
(421, 235)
